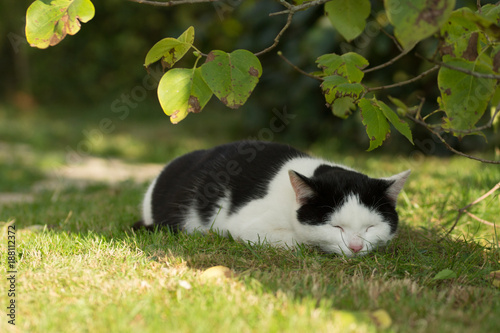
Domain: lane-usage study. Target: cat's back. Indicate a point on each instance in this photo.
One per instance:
(239, 160)
(236, 173)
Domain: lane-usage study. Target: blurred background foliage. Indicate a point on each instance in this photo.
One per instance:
(92, 76)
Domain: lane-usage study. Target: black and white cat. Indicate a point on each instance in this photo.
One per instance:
(261, 191)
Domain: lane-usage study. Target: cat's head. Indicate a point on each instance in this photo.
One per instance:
(344, 211)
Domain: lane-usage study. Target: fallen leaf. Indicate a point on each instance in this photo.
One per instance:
(217, 272)
(381, 319)
(445, 274)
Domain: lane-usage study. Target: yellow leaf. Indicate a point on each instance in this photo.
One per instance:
(381, 319)
(217, 272)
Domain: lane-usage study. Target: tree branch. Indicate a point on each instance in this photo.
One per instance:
(402, 83)
(463, 210)
(393, 39)
(170, 3)
(466, 71)
(296, 8)
(291, 10)
(297, 68)
(450, 148)
(481, 220)
(388, 63)
(278, 36)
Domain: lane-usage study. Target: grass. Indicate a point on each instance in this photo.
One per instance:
(81, 269)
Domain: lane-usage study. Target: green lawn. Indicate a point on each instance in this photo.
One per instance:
(81, 269)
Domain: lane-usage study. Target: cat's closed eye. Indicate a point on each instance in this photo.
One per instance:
(339, 227)
(369, 227)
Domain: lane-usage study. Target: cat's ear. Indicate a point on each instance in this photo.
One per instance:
(398, 182)
(302, 190)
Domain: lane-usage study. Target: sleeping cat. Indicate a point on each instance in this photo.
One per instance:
(262, 191)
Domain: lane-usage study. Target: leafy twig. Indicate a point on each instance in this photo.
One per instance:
(291, 10)
(463, 210)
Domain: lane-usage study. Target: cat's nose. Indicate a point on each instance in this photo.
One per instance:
(355, 247)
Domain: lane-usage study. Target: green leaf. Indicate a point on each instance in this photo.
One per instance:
(49, 21)
(171, 50)
(445, 274)
(464, 97)
(494, 103)
(342, 107)
(398, 123)
(495, 58)
(491, 12)
(181, 91)
(460, 36)
(335, 86)
(348, 65)
(348, 17)
(464, 35)
(415, 20)
(232, 76)
(375, 123)
(488, 20)
(340, 94)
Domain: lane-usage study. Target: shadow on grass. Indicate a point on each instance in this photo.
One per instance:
(109, 212)
(418, 254)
